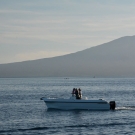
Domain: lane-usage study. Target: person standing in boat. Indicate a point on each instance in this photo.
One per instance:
(77, 93)
(80, 93)
(73, 92)
(78, 96)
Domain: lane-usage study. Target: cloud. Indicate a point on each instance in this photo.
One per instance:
(110, 24)
(24, 56)
(38, 55)
(68, 25)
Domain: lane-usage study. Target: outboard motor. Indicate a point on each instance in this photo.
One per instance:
(112, 105)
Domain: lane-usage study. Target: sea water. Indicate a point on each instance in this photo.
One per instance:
(23, 113)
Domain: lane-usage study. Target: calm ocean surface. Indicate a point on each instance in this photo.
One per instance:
(23, 113)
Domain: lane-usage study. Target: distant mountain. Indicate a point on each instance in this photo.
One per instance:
(112, 59)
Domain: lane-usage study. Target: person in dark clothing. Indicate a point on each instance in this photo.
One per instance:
(77, 94)
(74, 91)
(80, 93)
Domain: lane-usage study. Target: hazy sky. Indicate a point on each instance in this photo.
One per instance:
(33, 29)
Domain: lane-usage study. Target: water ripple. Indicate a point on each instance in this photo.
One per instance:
(63, 127)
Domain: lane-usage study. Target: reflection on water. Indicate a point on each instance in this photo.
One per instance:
(22, 111)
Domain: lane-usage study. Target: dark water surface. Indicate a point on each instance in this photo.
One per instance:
(23, 113)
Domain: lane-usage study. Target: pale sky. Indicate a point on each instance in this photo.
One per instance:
(34, 29)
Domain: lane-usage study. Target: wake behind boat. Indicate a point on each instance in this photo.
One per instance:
(78, 103)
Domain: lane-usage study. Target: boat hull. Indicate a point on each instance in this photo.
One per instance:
(66, 104)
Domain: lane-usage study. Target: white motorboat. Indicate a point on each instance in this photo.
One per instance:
(83, 103)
